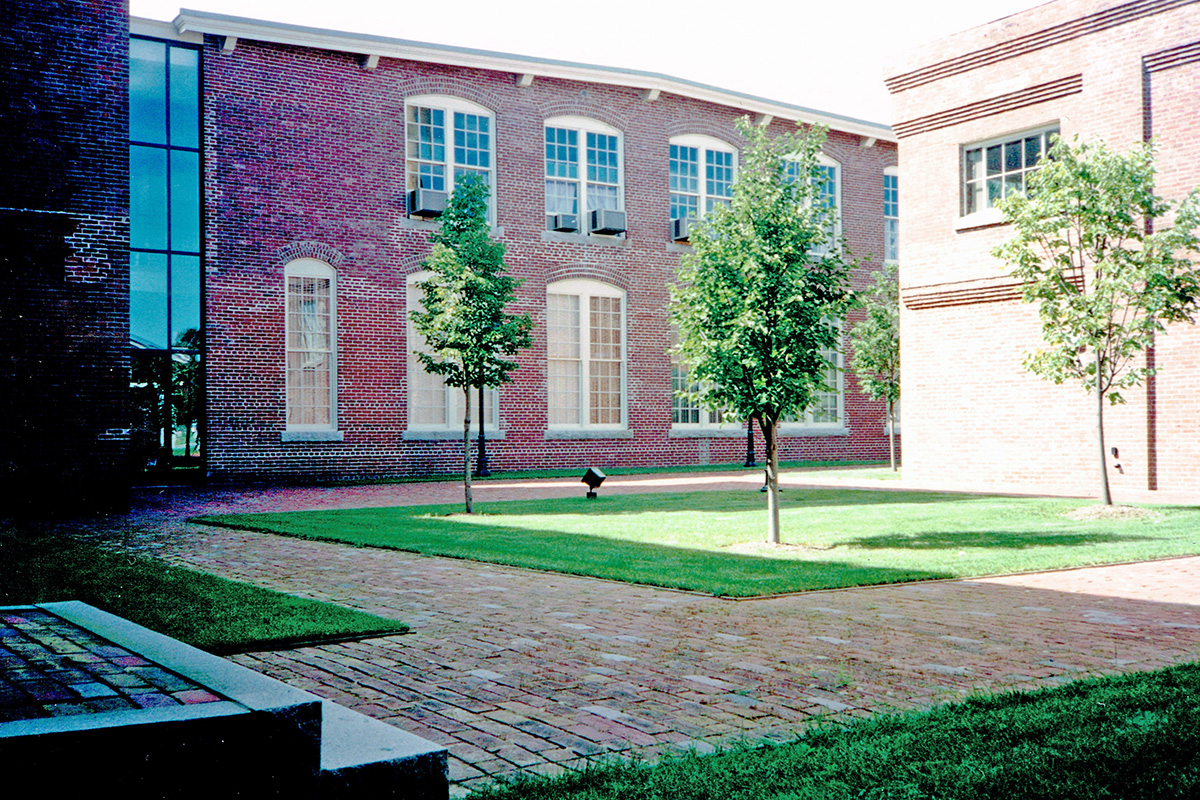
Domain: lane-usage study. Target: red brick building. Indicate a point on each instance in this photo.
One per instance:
(324, 157)
(974, 112)
(64, 308)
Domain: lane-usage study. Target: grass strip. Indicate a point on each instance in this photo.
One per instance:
(203, 610)
(711, 541)
(574, 472)
(1131, 736)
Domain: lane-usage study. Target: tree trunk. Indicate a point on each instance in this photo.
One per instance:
(467, 448)
(768, 430)
(891, 412)
(1105, 495)
(481, 463)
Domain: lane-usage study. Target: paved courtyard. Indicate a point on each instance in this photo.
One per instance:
(515, 670)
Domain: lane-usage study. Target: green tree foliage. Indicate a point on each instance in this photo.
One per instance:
(469, 334)
(760, 294)
(876, 343)
(1093, 246)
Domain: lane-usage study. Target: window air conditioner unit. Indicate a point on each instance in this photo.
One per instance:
(564, 223)
(426, 203)
(607, 222)
(680, 228)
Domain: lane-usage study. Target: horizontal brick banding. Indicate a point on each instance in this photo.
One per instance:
(1172, 57)
(1048, 37)
(1072, 84)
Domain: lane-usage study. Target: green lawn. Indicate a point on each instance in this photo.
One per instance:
(1133, 736)
(211, 613)
(706, 541)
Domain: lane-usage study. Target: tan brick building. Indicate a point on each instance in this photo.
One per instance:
(973, 111)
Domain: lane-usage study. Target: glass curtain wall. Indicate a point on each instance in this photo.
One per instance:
(165, 240)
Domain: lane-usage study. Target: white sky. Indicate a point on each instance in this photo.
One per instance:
(828, 55)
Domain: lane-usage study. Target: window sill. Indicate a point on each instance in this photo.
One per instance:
(312, 436)
(589, 433)
(980, 219)
(418, 224)
(679, 247)
(583, 238)
(449, 435)
(683, 432)
(812, 431)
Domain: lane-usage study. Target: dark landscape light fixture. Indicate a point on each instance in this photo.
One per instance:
(593, 478)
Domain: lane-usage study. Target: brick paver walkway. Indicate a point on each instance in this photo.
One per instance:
(518, 670)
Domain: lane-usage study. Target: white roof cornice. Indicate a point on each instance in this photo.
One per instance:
(203, 22)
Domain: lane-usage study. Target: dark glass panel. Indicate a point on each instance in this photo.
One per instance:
(1012, 156)
(147, 91)
(147, 198)
(148, 300)
(185, 201)
(1033, 150)
(185, 92)
(185, 301)
(993, 159)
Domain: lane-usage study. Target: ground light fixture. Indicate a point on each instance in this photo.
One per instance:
(593, 478)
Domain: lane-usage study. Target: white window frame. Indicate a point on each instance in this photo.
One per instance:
(835, 232)
(585, 290)
(449, 105)
(808, 424)
(891, 222)
(707, 419)
(582, 127)
(420, 380)
(969, 184)
(319, 270)
(704, 145)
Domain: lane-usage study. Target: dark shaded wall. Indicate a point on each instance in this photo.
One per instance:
(64, 274)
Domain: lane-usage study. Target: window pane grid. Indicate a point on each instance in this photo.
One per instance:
(996, 171)
(309, 351)
(891, 217)
(472, 142)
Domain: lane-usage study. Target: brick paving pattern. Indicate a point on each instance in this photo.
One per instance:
(514, 670)
(53, 668)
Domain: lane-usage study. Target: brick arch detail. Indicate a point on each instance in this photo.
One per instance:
(453, 87)
(318, 250)
(580, 107)
(727, 133)
(611, 275)
(412, 263)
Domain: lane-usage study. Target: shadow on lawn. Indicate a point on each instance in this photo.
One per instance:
(1009, 540)
(718, 573)
(720, 501)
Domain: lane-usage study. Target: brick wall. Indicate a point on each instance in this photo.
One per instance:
(973, 418)
(64, 333)
(305, 153)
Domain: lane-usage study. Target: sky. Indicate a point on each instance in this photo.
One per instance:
(829, 56)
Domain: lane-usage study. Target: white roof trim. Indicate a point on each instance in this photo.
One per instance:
(161, 30)
(203, 22)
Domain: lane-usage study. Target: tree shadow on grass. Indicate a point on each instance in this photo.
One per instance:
(712, 572)
(1009, 540)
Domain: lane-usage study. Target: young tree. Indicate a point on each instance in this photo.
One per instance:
(876, 342)
(1092, 247)
(466, 328)
(760, 295)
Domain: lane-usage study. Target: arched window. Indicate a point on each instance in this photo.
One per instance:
(891, 214)
(432, 405)
(585, 354)
(584, 169)
(828, 182)
(702, 173)
(447, 138)
(311, 336)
